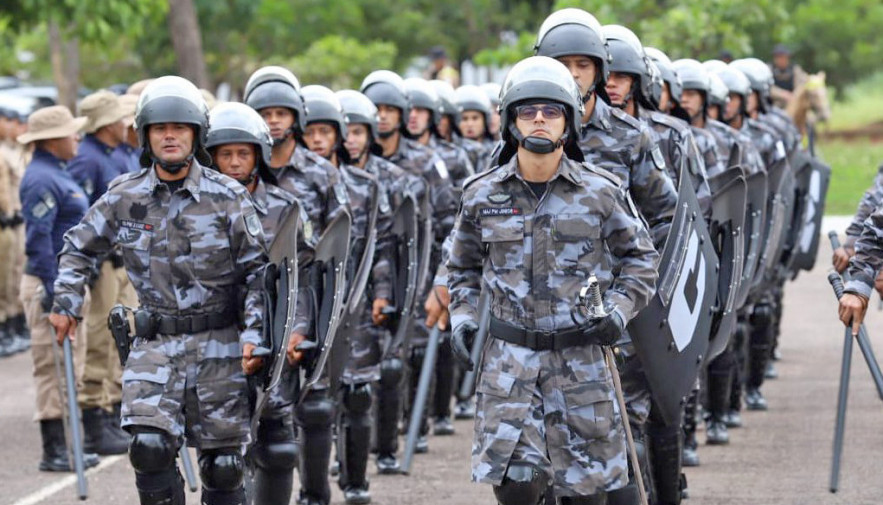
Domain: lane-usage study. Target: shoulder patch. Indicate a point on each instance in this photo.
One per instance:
(253, 224)
(383, 203)
(658, 159)
(88, 186)
(340, 193)
(780, 150)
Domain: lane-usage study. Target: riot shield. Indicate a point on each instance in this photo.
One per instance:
(801, 168)
(807, 245)
(328, 283)
(366, 262)
(405, 230)
(727, 230)
(755, 221)
(780, 206)
(280, 303)
(671, 333)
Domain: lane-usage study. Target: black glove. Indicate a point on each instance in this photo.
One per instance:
(461, 343)
(605, 331)
(46, 303)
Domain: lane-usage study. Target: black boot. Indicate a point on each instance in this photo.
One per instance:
(7, 341)
(315, 416)
(444, 390)
(98, 435)
(389, 402)
(665, 453)
(55, 456)
(355, 433)
(740, 353)
(113, 422)
(690, 454)
(720, 376)
(759, 341)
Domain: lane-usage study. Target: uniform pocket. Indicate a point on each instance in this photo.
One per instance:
(135, 249)
(590, 412)
(143, 387)
(223, 406)
(499, 417)
(504, 238)
(211, 256)
(577, 239)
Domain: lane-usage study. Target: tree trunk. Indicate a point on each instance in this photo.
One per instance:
(187, 40)
(65, 56)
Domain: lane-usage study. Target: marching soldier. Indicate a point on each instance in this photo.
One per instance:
(190, 240)
(517, 235)
(864, 268)
(52, 203)
(128, 152)
(476, 114)
(492, 90)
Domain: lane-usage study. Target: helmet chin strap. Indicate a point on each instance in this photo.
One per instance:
(278, 141)
(536, 145)
(173, 168)
(250, 178)
(390, 133)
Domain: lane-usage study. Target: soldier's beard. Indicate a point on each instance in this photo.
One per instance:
(278, 141)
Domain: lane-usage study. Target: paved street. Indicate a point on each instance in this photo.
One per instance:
(779, 457)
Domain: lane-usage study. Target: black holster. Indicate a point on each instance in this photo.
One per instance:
(119, 328)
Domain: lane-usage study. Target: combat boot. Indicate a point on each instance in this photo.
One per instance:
(55, 454)
(114, 421)
(18, 327)
(771, 372)
(98, 437)
(754, 400)
(733, 419)
(442, 426)
(716, 432)
(388, 464)
(465, 409)
(7, 341)
(690, 453)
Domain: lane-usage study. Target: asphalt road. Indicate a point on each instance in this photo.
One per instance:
(780, 457)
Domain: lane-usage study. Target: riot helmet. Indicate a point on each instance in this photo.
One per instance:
(693, 76)
(737, 83)
(172, 99)
(323, 106)
(448, 99)
(760, 76)
(669, 76)
(359, 109)
(718, 93)
(237, 123)
(275, 86)
(575, 32)
(535, 80)
(627, 57)
(713, 66)
(385, 87)
(422, 95)
(471, 97)
(492, 90)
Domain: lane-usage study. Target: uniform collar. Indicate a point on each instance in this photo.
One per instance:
(191, 182)
(90, 140)
(45, 157)
(600, 118)
(259, 197)
(568, 169)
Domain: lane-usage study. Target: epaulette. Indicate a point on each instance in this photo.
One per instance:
(670, 121)
(479, 175)
(228, 182)
(358, 172)
(603, 173)
(280, 193)
(625, 117)
(127, 177)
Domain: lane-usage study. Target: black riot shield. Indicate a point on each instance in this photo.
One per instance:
(727, 230)
(755, 224)
(671, 333)
(280, 303)
(405, 230)
(328, 284)
(801, 169)
(807, 244)
(780, 207)
(360, 278)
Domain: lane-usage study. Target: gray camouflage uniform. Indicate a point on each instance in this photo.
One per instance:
(868, 259)
(552, 409)
(478, 154)
(715, 162)
(456, 160)
(621, 144)
(869, 203)
(186, 253)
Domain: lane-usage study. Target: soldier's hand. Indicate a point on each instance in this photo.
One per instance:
(436, 307)
(295, 356)
(250, 364)
(606, 330)
(462, 339)
(377, 315)
(852, 310)
(64, 325)
(841, 259)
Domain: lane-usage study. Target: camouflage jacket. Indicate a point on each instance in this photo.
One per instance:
(621, 144)
(535, 255)
(479, 155)
(317, 184)
(675, 139)
(715, 163)
(770, 147)
(736, 147)
(456, 160)
(186, 253)
(784, 125)
(869, 203)
(366, 192)
(868, 259)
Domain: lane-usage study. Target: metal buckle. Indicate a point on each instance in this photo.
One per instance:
(540, 340)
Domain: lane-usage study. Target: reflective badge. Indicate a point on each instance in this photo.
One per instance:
(499, 198)
(253, 224)
(780, 150)
(47, 203)
(340, 194)
(384, 203)
(89, 187)
(658, 159)
(442, 169)
(505, 211)
(308, 230)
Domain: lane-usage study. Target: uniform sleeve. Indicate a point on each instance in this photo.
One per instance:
(634, 258)
(40, 210)
(249, 252)
(696, 164)
(5, 190)
(653, 191)
(444, 202)
(381, 270)
(868, 204)
(441, 274)
(465, 266)
(92, 238)
(868, 259)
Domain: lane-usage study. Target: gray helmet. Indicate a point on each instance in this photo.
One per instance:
(385, 87)
(713, 65)
(275, 86)
(663, 63)
(756, 72)
(471, 97)
(736, 83)
(172, 99)
(324, 107)
(492, 90)
(358, 109)
(692, 75)
(574, 32)
(719, 94)
(628, 57)
(422, 95)
(447, 97)
(237, 123)
(540, 78)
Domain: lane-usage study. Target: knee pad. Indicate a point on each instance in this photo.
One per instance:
(316, 411)
(221, 469)
(523, 484)
(391, 371)
(761, 315)
(357, 398)
(152, 451)
(417, 355)
(276, 449)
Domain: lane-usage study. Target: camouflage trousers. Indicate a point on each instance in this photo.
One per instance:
(189, 385)
(552, 409)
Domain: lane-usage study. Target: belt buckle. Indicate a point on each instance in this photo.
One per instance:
(541, 340)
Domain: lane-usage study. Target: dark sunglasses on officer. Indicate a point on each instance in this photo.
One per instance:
(528, 112)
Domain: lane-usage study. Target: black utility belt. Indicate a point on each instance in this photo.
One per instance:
(538, 340)
(149, 324)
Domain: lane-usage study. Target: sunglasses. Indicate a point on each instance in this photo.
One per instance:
(550, 111)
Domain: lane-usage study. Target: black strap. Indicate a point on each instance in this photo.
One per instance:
(538, 340)
(196, 323)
